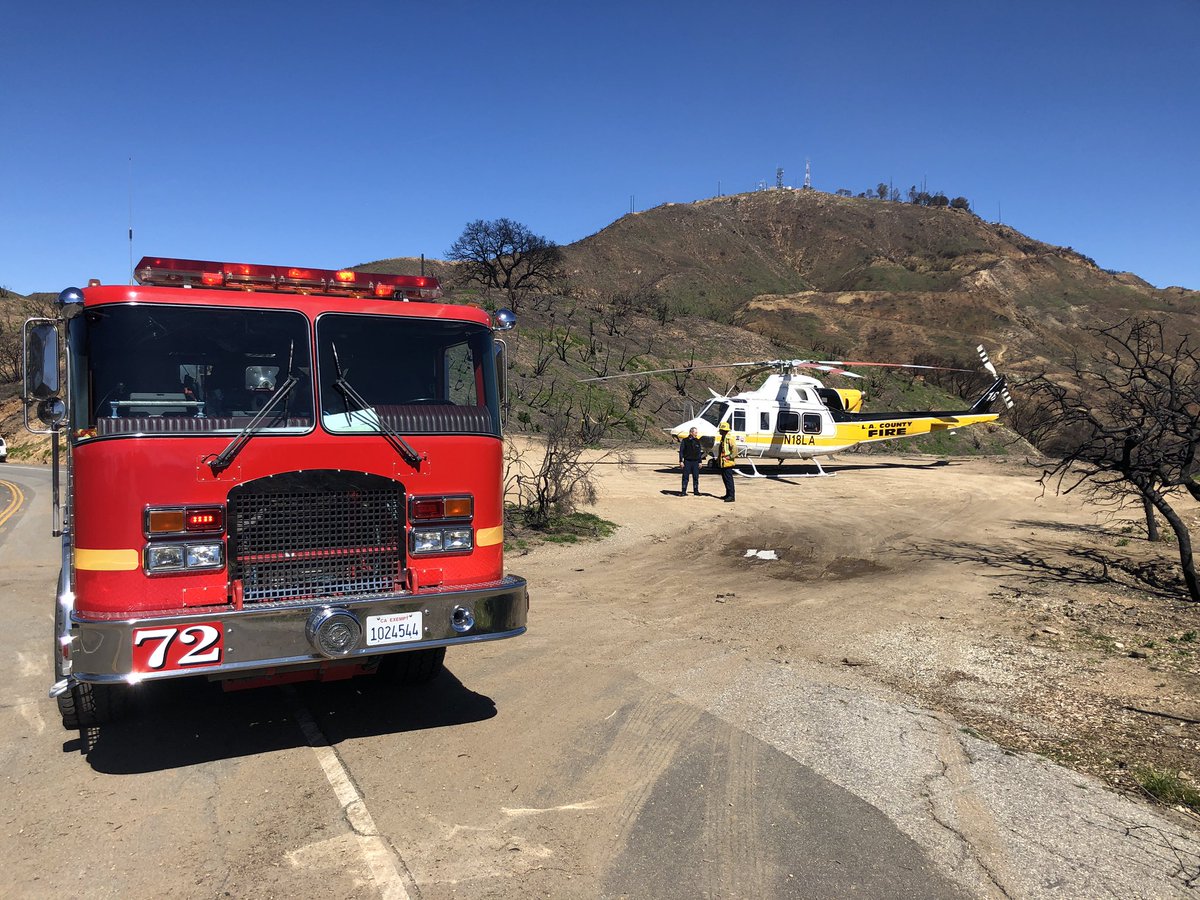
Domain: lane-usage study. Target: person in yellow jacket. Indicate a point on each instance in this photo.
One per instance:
(726, 459)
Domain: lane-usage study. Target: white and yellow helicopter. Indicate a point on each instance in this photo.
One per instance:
(793, 416)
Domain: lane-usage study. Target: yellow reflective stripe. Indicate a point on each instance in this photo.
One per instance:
(489, 537)
(107, 560)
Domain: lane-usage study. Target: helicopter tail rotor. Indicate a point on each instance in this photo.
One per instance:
(998, 391)
(987, 363)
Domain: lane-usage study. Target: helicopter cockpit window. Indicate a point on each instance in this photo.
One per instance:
(788, 423)
(713, 412)
(739, 420)
(812, 423)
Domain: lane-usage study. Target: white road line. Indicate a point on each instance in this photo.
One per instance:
(376, 853)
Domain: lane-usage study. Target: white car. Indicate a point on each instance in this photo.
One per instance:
(3, 451)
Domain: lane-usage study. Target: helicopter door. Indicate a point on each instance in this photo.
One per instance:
(757, 438)
(738, 424)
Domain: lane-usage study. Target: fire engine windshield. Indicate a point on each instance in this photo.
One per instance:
(416, 376)
(188, 369)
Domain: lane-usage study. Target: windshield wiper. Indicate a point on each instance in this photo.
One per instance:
(399, 444)
(222, 460)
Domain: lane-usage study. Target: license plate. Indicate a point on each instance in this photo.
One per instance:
(397, 628)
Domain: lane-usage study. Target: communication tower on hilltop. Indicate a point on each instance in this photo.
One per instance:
(807, 176)
(779, 179)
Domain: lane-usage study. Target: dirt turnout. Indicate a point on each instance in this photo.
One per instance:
(955, 582)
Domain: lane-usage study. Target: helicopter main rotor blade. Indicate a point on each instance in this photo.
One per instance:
(759, 365)
(830, 366)
(835, 362)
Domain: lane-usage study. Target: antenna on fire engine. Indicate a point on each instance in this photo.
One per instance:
(131, 220)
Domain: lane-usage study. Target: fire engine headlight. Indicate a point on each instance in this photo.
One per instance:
(164, 557)
(205, 556)
(178, 557)
(426, 540)
(456, 539)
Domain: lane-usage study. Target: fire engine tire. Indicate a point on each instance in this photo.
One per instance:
(66, 709)
(415, 666)
(85, 705)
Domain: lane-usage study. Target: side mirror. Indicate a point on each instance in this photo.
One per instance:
(41, 359)
(52, 412)
(506, 320)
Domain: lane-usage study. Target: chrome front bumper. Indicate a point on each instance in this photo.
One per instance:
(271, 636)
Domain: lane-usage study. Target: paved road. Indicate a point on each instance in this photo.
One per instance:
(523, 771)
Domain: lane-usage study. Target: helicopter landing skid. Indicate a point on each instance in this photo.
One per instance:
(754, 473)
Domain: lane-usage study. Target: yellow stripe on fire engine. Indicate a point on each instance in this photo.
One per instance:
(489, 537)
(107, 560)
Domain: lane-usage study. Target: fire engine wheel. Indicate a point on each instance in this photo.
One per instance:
(85, 705)
(413, 667)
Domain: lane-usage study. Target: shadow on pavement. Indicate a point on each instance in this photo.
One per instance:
(190, 721)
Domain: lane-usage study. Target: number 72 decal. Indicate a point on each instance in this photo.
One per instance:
(177, 647)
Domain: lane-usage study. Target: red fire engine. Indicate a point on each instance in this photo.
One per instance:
(272, 474)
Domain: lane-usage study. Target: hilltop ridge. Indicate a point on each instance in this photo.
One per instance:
(804, 267)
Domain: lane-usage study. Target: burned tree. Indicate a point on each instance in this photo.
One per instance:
(507, 256)
(1128, 423)
(545, 483)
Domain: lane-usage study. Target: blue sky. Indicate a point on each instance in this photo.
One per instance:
(333, 134)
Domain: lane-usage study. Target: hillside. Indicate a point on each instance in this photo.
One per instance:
(856, 276)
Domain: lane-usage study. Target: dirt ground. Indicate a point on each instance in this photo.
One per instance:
(1040, 622)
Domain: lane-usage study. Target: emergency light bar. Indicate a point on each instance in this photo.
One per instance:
(244, 277)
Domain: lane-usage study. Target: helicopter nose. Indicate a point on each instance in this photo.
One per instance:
(703, 429)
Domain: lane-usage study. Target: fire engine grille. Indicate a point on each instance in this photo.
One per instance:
(304, 535)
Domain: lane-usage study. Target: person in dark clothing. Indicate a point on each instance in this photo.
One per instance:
(691, 451)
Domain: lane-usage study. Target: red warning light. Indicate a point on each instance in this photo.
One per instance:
(250, 277)
(206, 519)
